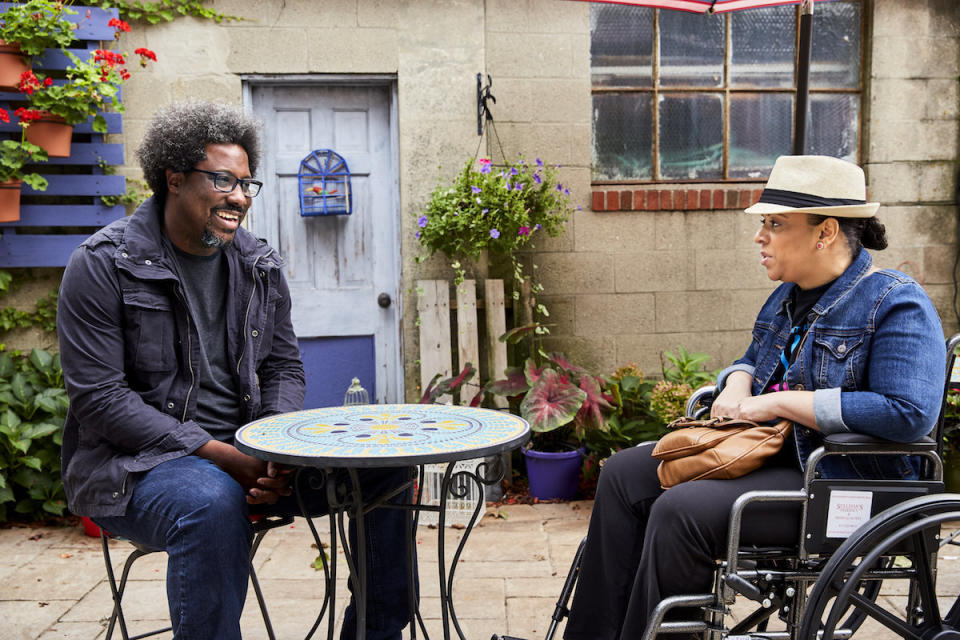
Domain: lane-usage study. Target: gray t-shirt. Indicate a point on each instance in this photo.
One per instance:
(205, 281)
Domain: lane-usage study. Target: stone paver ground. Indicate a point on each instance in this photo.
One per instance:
(53, 585)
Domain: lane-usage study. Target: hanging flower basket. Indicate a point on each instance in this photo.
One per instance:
(52, 134)
(10, 201)
(12, 65)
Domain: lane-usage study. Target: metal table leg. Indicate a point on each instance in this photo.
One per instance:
(457, 485)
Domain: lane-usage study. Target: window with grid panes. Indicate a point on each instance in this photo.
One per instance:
(679, 96)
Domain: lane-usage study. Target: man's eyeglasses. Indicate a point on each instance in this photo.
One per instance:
(227, 183)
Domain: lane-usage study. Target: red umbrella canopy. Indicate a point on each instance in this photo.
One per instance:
(705, 6)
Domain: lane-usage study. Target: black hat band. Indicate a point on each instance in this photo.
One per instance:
(799, 200)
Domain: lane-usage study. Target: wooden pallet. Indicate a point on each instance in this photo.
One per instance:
(436, 348)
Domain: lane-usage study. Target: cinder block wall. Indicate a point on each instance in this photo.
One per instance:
(633, 274)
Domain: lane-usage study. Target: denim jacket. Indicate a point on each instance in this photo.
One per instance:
(130, 353)
(874, 357)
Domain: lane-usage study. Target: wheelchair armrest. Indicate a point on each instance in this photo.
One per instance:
(859, 442)
(702, 398)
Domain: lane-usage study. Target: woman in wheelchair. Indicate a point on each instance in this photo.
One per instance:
(839, 346)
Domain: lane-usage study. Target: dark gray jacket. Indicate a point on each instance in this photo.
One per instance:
(130, 354)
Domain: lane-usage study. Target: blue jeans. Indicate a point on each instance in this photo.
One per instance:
(198, 514)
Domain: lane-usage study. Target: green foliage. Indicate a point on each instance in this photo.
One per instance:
(497, 209)
(688, 368)
(951, 426)
(14, 155)
(633, 421)
(92, 86)
(137, 191)
(37, 25)
(668, 400)
(33, 407)
(44, 316)
(163, 10)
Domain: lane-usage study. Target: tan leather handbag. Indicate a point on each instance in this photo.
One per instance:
(719, 448)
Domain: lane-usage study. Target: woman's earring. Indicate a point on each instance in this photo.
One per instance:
(819, 245)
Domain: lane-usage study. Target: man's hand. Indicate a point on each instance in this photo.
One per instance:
(263, 482)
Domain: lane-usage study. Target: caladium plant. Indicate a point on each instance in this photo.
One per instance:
(558, 398)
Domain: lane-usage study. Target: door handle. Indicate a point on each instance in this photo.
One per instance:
(384, 300)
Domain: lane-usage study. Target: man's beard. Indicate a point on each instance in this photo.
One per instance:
(212, 240)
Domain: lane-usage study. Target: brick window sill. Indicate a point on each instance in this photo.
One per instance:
(674, 199)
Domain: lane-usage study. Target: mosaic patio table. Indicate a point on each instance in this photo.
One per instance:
(387, 435)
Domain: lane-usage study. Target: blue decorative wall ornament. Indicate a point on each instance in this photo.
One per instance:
(324, 182)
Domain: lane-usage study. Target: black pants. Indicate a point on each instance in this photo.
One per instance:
(645, 544)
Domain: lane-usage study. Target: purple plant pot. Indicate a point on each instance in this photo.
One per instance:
(553, 474)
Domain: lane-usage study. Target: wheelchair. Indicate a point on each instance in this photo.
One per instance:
(880, 578)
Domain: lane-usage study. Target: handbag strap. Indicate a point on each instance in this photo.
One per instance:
(714, 423)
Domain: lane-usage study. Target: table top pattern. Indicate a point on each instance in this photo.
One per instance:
(382, 435)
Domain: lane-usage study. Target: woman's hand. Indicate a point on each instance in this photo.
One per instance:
(759, 408)
(736, 389)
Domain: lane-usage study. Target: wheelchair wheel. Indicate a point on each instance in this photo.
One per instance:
(898, 549)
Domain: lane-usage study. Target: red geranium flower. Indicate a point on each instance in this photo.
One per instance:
(4, 116)
(119, 24)
(145, 53)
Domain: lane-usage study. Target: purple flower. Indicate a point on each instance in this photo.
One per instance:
(503, 175)
(509, 186)
(537, 178)
(513, 171)
(422, 221)
(566, 192)
(476, 189)
(538, 227)
(484, 211)
(494, 234)
(559, 187)
(523, 231)
(539, 162)
(417, 235)
(518, 186)
(485, 168)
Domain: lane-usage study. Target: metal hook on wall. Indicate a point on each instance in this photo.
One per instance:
(483, 95)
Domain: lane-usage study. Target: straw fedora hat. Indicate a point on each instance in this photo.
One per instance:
(816, 184)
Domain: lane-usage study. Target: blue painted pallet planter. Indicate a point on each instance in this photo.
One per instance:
(47, 232)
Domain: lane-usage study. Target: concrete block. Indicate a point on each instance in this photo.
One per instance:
(561, 100)
(562, 314)
(614, 314)
(720, 269)
(259, 50)
(938, 264)
(540, 16)
(944, 18)
(378, 13)
(514, 102)
(893, 182)
(622, 232)
(906, 259)
(529, 55)
(223, 88)
(721, 229)
(595, 354)
(573, 273)
(941, 99)
(898, 99)
(692, 311)
(938, 181)
(547, 141)
(654, 271)
(918, 141)
(367, 50)
(208, 50)
(918, 225)
(646, 350)
(898, 18)
(905, 56)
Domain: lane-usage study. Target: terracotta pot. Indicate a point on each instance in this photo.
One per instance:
(12, 65)
(52, 134)
(10, 201)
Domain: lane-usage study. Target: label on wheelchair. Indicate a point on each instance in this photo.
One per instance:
(848, 510)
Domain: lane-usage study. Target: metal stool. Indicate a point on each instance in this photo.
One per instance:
(261, 524)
